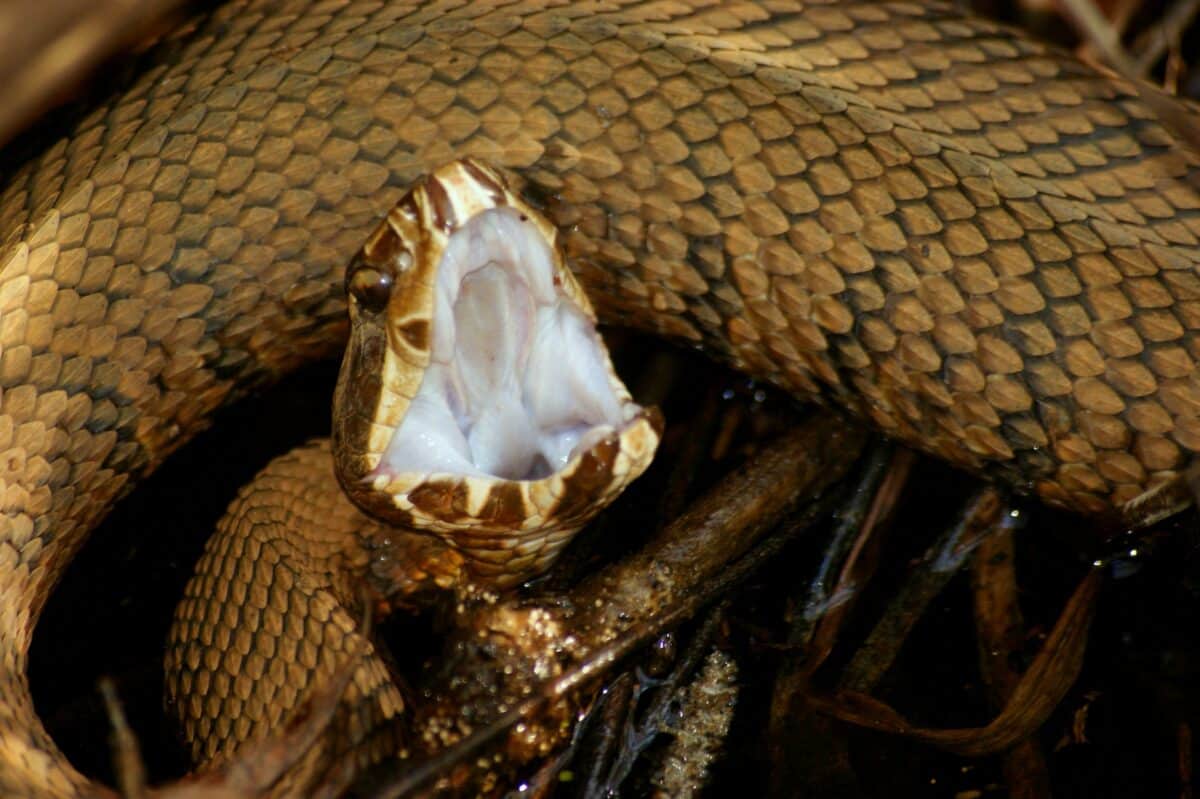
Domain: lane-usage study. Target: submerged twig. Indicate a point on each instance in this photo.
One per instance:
(613, 720)
(983, 515)
(127, 755)
(863, 557)
(821, 756)
(1150, 45)
(1040, 690)
(639, 733)
(706, 711)
(823, 594)
(999, 636)
(1099, 33)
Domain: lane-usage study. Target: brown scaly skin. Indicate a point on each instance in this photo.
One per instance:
(276, 608)
(979, 244)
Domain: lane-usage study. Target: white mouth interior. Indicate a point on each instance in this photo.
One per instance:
(518, 382)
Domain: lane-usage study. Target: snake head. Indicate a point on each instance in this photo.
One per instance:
(476, 399)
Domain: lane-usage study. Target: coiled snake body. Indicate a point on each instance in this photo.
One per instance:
(979, 244)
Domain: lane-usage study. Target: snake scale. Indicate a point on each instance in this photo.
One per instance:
(976, 242)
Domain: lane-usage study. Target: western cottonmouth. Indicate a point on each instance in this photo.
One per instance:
(476, 404)
(981, 245)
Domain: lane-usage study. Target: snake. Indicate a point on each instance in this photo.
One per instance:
(977, 243)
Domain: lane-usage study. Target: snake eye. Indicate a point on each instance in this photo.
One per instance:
(369, 286)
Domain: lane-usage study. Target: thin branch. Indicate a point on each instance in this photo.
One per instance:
(1152, 43)
(1000, 633)
(127, 755)
(1096, 30)
(1039, 692)
(983, 516)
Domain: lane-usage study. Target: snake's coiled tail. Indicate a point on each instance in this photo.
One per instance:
(981, 245)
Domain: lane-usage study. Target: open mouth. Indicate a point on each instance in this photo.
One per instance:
(518, 381)
(477, 401)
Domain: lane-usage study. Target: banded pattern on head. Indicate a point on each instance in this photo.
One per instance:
(460, 301)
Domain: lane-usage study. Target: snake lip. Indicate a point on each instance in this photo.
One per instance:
(490, 413)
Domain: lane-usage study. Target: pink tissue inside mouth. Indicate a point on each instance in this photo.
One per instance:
(519, 379)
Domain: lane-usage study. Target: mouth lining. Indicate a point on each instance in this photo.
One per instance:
(518, 382)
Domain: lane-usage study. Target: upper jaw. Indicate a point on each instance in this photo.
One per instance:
(496, 420)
